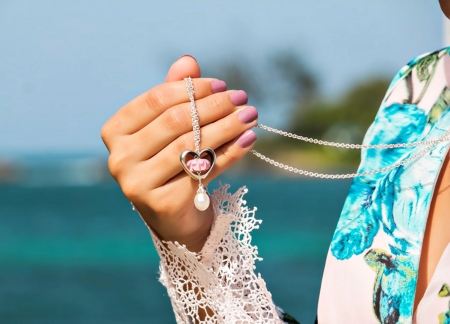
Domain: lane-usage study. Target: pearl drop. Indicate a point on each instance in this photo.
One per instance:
(201, 201)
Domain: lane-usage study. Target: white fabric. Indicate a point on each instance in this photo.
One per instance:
(430, 306)
(219, 281)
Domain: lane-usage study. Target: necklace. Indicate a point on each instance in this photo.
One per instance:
(199, 163)
(428, 146)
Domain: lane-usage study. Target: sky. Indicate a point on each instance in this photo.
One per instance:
(67, 66)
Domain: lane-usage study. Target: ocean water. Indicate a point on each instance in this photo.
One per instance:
(81, 255)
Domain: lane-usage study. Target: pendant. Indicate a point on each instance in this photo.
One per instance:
(201, 200)
(198, 166)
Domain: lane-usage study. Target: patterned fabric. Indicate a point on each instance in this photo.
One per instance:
(444, 318)
(372, 265)
(373, 260)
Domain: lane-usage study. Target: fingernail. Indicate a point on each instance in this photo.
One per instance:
(247, 139)
(187, 55)
(248, 114)
(218, 86)
(239, 98)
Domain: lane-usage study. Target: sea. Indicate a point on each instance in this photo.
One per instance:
(79, 254)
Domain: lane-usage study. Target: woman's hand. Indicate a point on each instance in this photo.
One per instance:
(146, 137)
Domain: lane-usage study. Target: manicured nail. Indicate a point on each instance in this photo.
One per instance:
(247, 139)
(187, 55)
(239, 98)
(218, 86)
(248, 114)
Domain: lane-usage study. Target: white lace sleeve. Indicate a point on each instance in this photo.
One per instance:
(219, 282)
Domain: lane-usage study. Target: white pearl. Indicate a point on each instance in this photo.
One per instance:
(201, 201)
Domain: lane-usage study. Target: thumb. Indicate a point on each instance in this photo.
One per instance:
(185, 66)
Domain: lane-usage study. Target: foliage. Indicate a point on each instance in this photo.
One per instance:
(342, 119)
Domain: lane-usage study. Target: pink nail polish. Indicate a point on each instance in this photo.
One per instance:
(239, 98)
(247, 139)
(248, 114)
(218, 86)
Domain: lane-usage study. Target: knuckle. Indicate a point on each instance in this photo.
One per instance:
(109, 129)
(184, 142)
(230, 154)
(175, 118)
(227, 127)
(216, 103)
(106, 131)
(155, 98)
(116, 163)
(132, 188)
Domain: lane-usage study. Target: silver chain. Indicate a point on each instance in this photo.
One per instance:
(194, 114)
(443, 138)
(430, 144)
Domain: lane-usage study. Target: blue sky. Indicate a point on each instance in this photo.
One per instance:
(66, 67)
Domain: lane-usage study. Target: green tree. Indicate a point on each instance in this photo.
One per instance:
(287, 78)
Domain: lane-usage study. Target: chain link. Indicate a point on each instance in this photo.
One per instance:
(430, 144)
(443, 138)
(194, 114)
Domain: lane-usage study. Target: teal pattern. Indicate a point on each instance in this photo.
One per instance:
(394, 205)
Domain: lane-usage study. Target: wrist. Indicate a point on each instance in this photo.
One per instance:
(190, 228)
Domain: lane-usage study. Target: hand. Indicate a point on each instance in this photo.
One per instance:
(147, 135)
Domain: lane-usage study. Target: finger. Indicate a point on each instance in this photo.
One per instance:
(230, 153)
(212, 136)
(177, 121)
(181, 188)
(148, 105)
(145, 108)
(184, 67)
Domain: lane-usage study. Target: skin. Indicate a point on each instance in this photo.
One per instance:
(164, 197)
(437, 232)
(145, 139)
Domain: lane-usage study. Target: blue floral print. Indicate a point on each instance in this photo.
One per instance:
(394, 205)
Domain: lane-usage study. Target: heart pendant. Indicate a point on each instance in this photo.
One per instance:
(198, 171)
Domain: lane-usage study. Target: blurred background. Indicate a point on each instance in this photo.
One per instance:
(71, 249)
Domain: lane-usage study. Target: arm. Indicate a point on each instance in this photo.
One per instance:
(210, 282)
(218, 284)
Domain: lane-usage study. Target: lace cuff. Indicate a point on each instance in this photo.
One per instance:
(219, 284)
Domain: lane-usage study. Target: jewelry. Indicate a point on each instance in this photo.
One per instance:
(198, 167)
(199, 163)
(429, 145)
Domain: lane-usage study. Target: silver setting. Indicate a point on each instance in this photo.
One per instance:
(198, 175)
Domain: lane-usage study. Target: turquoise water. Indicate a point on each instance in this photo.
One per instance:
(81, 255)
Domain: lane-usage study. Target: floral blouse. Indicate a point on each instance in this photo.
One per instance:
(372, 264)
(376, 248)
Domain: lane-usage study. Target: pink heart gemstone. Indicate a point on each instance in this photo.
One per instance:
(198, 165)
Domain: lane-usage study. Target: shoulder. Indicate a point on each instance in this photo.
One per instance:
(424, 72)
(417, 98)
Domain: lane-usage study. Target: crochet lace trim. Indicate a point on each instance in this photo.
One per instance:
(219, 282)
